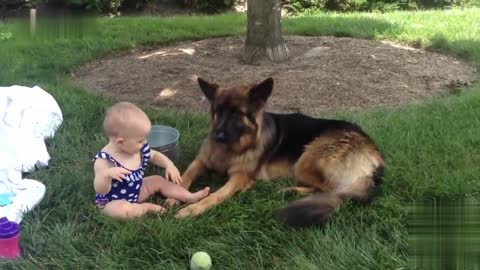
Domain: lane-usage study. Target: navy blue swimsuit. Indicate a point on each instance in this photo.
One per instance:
(129, 189)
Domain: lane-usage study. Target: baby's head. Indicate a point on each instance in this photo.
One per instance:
(127, 126)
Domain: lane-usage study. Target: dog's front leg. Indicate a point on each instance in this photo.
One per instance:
(237, 182)
(195, 169)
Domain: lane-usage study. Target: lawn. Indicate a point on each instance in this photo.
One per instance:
(432, 151)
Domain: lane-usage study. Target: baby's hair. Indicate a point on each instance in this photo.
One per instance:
(120, 116)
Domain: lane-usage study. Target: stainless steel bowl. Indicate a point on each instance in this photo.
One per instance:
(165, 140)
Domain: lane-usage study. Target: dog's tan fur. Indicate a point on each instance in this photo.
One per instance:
(341, 162)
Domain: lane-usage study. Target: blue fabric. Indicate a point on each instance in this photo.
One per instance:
(5, 198)
(129, 189)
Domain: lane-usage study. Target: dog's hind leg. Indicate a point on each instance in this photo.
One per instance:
(309, 173)
(343, 166)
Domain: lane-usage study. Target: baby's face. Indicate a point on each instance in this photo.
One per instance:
(133, 145)
(135, 138)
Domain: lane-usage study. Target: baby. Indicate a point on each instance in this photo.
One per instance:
(121, 187)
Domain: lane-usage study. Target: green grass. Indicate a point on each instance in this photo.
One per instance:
(455, 31)
(432, 151)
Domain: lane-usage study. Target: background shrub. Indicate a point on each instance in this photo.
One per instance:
(213, 6)
(301, 6)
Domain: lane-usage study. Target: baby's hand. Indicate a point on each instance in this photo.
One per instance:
(117, 173)
(172, 174)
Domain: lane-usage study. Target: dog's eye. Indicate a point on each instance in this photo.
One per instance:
(239, 126)
(239, 113)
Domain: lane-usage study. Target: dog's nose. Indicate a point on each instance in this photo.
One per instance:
(219, 136)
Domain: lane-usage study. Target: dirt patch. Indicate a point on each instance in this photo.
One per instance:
(325, 73)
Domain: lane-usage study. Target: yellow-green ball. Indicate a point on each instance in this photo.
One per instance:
(200, 261)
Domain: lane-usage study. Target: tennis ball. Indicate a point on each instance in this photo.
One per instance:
(200, 261)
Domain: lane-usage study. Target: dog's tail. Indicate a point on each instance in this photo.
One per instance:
(312, 210)
(317, 209)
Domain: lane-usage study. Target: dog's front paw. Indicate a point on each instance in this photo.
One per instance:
(172, 202)
(190, 211)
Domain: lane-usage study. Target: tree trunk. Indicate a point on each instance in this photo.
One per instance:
(264, 32)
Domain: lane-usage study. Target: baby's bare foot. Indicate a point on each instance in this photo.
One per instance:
(197, 196)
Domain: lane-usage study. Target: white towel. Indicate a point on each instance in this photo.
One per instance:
(27, 117)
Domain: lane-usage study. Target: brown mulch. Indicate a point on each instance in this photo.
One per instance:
(324, 74)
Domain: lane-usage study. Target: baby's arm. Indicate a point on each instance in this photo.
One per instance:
(171, 172)
(102, 182)
(160, 159)
(104, 173)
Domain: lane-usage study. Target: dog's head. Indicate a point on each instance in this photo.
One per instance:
(236, 112)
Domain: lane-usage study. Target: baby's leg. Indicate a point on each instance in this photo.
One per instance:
(121, 209)
(154, 184)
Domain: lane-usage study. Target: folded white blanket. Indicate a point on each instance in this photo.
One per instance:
(27, 117)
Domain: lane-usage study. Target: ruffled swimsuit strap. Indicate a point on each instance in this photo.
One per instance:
(107, 156)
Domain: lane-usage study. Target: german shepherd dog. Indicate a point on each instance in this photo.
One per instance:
(334, 159)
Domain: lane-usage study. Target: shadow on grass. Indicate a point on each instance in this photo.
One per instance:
(466, 49)
(377, 28)
(360, 27)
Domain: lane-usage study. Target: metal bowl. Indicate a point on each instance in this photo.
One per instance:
(165, 140)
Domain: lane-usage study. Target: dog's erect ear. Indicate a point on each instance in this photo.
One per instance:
(259, 93)
(208, 89)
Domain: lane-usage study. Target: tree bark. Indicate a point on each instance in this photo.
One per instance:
(264, 32)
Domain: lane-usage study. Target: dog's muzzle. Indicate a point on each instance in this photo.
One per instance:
(220, 136)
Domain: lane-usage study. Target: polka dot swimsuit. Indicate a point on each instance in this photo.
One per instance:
(129, 189)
